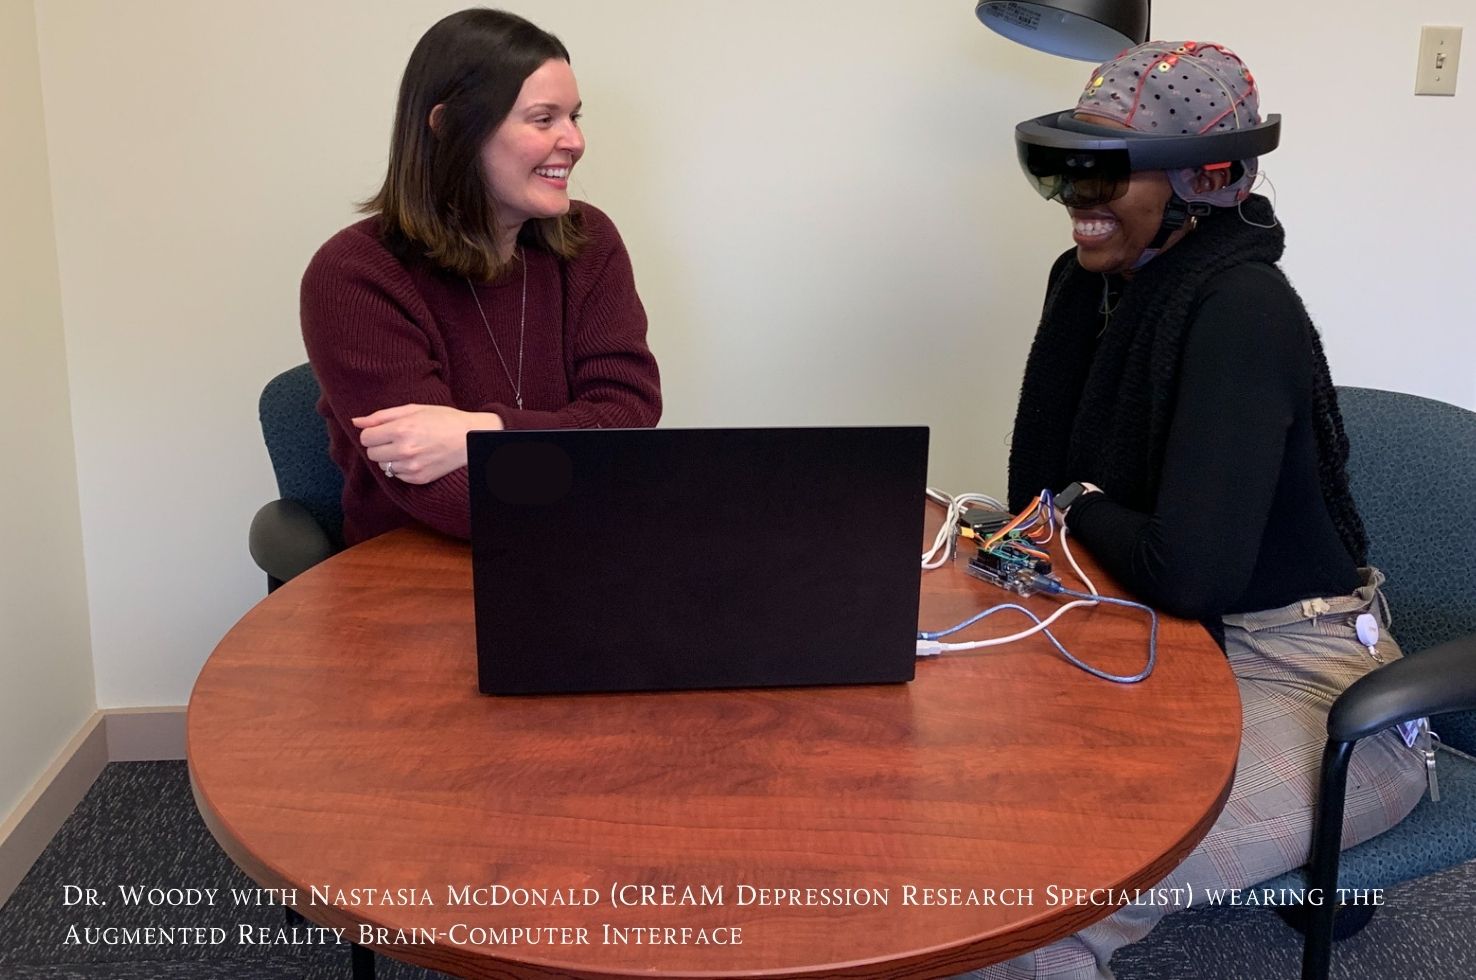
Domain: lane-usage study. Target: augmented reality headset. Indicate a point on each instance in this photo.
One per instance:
(1084, 165)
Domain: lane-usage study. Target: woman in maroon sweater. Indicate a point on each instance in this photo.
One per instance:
(477, 295)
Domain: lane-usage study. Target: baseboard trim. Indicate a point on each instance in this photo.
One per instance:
(113, 735)
(145, 734)
(43, 810)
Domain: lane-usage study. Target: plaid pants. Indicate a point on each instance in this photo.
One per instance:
(1291, 664)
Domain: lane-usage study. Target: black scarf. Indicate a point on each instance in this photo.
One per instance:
(1098, 409)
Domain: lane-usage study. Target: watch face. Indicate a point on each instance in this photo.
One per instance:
(1067, 497)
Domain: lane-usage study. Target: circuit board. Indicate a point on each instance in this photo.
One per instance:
(1009, 565)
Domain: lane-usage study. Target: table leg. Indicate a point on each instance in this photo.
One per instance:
(363, 961)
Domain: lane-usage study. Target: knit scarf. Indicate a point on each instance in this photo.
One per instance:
(1098, 409)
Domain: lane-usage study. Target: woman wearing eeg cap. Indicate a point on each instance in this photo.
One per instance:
(1178, 390)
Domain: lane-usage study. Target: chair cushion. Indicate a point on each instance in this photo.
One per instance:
(1434, 837)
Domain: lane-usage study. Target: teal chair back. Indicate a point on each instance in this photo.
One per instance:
(1412, 468)
(1411, 465)
(304, 525)
(297, 442)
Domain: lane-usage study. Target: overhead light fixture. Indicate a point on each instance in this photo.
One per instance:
(1088, 30)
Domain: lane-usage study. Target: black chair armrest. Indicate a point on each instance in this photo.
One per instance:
(1432, 682)
(285, 540)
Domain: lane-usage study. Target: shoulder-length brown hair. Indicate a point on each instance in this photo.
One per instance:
(434, 200)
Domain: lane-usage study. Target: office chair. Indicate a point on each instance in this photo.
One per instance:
(290, 535)
(1412, 469)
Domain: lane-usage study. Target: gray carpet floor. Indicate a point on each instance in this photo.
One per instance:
(139, 825)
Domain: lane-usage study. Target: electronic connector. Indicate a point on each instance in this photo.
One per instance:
(1010, 568)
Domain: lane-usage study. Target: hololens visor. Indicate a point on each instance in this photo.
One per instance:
(1085, 166)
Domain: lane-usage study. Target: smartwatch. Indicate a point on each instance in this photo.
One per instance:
(1069, 496)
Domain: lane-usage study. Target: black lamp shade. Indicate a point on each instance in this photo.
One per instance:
(1089, 30)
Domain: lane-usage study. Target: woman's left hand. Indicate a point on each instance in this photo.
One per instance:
(423, 442)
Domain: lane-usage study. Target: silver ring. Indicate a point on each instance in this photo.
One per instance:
(389, 469)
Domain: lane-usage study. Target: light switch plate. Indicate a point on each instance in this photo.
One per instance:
(1440, 58)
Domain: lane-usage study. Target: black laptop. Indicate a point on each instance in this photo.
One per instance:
(667, 559)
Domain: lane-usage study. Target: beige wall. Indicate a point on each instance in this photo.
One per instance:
(46, 683)
(1377, 236)
(821, 199)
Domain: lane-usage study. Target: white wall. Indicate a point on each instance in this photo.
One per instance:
(821, 200)
(45, 666)
(1368, 177)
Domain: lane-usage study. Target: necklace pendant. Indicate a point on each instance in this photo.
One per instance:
(520, 403)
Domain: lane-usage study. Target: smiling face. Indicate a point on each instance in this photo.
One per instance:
(527, 159)
(1111, 237)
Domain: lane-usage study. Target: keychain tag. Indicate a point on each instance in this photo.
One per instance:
(1367, 626)
(1368, 634)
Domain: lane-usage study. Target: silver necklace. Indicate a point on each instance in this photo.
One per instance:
(517, 385)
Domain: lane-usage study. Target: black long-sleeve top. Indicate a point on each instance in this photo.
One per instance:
(1239, 523)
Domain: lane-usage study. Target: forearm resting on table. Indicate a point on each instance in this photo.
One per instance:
(1187, 571)
(423, 442)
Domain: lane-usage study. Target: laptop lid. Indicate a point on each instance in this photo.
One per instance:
(666, 559)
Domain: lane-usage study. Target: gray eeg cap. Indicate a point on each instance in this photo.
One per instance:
(1180, 89)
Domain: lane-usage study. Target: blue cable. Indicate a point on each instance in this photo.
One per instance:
(1053, 587)
(977, 617)
(990, 612)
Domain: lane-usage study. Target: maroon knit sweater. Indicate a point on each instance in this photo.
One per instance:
(381, 332)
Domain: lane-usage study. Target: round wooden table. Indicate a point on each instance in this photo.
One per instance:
(1003, 799)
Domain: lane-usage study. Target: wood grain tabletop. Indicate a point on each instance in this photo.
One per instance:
(338, 747)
